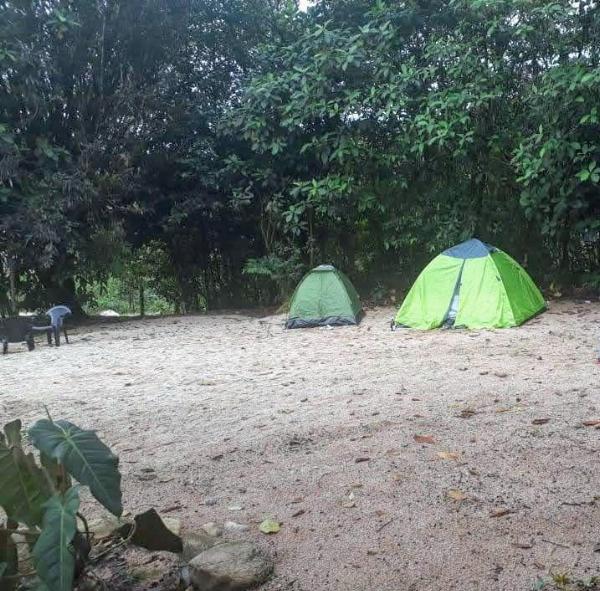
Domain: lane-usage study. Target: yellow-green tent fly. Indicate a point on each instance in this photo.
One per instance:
(471, 285)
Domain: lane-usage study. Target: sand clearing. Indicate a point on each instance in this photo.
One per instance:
(241, 419)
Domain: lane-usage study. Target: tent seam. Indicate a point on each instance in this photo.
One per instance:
(512, 311)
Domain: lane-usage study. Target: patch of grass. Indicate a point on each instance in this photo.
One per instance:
(117, 295)
(563, 581)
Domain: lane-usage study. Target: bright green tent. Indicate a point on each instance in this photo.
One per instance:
(471, 285)
(324, 297)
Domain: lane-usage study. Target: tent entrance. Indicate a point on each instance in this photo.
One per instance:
(451, 313)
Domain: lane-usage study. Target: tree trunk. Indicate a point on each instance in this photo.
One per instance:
(564, 248)
(311, 237)
(12, 286)
(142, 302)
(62, 293)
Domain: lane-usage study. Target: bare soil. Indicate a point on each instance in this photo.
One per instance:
(242, 420)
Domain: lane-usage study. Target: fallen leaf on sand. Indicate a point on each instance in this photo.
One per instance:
(591, 423)
(423, 438)
(522, 545)
(500, 512)
(456, 495)
(348, 501)
(448, 455)
(360, 460)
(466, 413)
(540, 421)
(269, 526)
(500, 374)
(516, 408)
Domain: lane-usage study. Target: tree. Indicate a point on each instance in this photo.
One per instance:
(108, 112)
(245, 141)
(386, 131)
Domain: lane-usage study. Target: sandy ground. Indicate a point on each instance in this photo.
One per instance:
(241, 419)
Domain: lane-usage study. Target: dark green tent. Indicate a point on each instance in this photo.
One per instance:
(324, 297)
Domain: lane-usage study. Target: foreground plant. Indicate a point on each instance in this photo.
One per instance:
(41, 502)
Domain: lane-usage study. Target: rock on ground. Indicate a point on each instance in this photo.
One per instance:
(213, 529)
(231, 566)
(104, 526)
(232, 526)
(195, 543)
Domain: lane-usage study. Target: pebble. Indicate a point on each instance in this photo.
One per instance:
(232, 526)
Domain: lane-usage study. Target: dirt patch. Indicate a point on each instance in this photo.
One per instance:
(242, 420)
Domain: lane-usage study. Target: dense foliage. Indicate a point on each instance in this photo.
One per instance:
(208, 152)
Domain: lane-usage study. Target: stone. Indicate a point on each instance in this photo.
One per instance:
(152, 533)
(109, 313)
(23, 543)
(147, 572)
(195, 543)
(212, 529)
(232, 526)
(172, 523)
(230, 566)
(160, 570)
(103, 527)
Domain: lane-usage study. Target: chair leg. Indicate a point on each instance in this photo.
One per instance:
(49, 337)
(66, 337)
(4, 347)
(57, 336)
(30, 343)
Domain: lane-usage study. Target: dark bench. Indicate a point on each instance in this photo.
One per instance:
(16, 330)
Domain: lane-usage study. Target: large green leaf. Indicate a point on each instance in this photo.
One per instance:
(53, 556)
(84, 456)
(13, 432)
(23, 486)
(56, 472)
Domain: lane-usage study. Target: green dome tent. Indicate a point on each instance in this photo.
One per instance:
(325, 296)
(471, 285)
